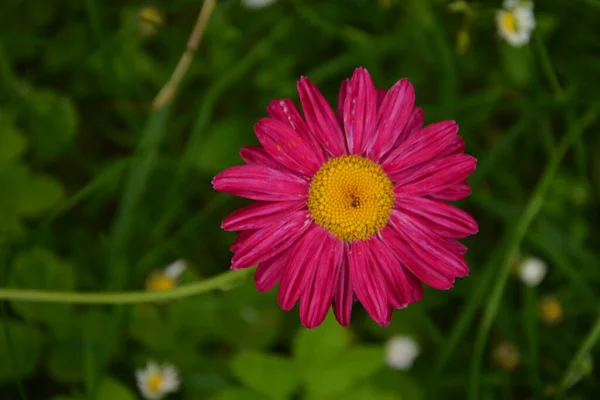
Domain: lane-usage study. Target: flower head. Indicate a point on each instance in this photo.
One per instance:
(166, 279)
(516, 21)
(351, 206)
(155, 381)
(532, 271)
(401, 351)
(505, 355)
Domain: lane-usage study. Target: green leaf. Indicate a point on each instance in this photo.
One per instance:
(40, 269)
(111, 389)
(370, 393)
(352, 367)
(275, 377)
(52, 123)
(12, 142)
(20, 350)
(238, 394)
(321, 346)
(390, 380)
(40, 193)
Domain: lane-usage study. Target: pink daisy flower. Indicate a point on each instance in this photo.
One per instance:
(351, 206)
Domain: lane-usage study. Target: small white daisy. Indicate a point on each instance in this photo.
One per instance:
(155, 381)
(532, 271)
(168, 278)
(516, 21)
(401, 351)
(256, 4)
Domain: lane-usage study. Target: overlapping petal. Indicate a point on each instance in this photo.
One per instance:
(360, 111)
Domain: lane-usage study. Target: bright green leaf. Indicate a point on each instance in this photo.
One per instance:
(40, 193)
(12, 142)
(111, 389)
(20, 350)
(238, 394)
(275, 377)
(321, 346)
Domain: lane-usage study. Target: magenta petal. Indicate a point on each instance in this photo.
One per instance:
(321, 119)
(425, 145)
(268, 273)
(453, 193)
(317, 296)
(344, 294)
(341, 99)
(368, 283)
(403, 287)
(261, 183)
(285, 111)
(414, 124)
(360, 111)
(442, 218)
(286, 146)
(304, 258)
(434, 176)
(380, 96)
(427, 255)
(259, 215)
(392, 117)
(258, 156)
(268, 242)
(240, 238)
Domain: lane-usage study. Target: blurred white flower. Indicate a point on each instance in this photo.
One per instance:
(155, 381)
(256, 4)
(166, 279)
(401, 351)
(532, 271)
(516, 21)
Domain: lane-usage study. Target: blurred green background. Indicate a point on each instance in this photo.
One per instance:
(98, 190)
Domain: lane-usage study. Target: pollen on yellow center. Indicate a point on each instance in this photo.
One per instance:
(157, 282)
(509, 21)
(351, 197)
(155, 382)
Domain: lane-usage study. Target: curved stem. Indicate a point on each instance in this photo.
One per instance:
(548, 68)
(222, 281)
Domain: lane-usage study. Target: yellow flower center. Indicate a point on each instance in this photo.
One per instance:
(551, 310)
(157, 282)
(351, 197)
(509, 21)
(155, 382)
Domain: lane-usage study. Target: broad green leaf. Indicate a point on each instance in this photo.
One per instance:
(52, 123)
(393, 381)
(40, 269)
(274, 376)
(12, 142)
(20, 350)
(39, 194)
(370, 393)
(111, 389)
(321, 346)
(352, 367)
(238, 394)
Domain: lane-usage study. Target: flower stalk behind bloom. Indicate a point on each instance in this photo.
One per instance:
(351, 206)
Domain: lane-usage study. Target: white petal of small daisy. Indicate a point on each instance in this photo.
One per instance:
(515, 22)
(256, 4)
(175, 269)
(401, 351)
(532, 271)
(156, 381)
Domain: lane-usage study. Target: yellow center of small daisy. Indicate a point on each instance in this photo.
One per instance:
(351, 197)
(509, 21)
(155, 382)
(157, 282)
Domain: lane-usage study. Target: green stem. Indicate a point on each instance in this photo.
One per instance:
(585, 348)
(514, 242)
(222, 281)
(548, 69)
